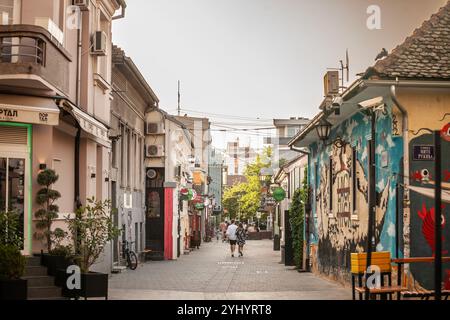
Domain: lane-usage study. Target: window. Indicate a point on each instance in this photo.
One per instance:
(292, 131)
(123, 153)
(128, 150)
(114, 153)
(9, 11)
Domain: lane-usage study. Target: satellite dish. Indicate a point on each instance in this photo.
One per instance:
(152, 174)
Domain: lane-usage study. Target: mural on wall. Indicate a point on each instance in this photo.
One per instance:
(342, 215)
(423, 217)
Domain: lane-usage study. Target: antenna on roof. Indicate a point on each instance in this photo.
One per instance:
(346, 68)
(343, 68)
(179, 98)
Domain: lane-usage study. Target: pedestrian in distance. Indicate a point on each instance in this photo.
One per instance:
(241, 236)
(231, 235)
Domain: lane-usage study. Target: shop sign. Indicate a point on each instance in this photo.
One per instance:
(29, 114)
(423, 153)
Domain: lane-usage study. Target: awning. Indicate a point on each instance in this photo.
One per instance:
(27, 109)
(94, 128)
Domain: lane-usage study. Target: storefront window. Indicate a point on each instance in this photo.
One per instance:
(12, 188)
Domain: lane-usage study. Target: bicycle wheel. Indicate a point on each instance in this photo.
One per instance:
(132, 260)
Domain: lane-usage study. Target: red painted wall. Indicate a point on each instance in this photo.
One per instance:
(168, 221)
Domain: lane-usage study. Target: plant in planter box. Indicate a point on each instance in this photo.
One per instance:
(12, 263)
(46, 198)
(92, 229)
(10, 232)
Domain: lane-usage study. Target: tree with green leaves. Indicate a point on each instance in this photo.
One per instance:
(244, 199)
(46, 198)
(297, 220)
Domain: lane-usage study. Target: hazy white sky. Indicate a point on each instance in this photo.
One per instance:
(257, 58)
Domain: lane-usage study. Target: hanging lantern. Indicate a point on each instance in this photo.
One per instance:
(324, 129)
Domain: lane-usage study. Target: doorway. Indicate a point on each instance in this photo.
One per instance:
(15, 183)
(13, 191)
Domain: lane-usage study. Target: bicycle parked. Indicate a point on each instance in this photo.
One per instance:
(130, 255)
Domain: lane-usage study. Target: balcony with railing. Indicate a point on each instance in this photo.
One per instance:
(31, 57)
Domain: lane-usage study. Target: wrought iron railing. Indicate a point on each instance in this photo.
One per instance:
(22, 50)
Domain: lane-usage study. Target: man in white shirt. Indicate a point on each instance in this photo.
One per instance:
(231, 234)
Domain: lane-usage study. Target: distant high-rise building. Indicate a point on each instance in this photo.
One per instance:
(286, 129)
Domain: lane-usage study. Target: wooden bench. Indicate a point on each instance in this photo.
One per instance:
(420, 293)
(382, 260)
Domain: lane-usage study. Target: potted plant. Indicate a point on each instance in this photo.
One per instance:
(92, 229)
(57, 254)
(12, 263)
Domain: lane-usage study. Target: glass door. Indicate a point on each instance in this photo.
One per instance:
(13, 191)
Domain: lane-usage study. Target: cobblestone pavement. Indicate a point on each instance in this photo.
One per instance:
(211, 273)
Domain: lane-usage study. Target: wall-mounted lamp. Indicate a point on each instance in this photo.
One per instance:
(324, 131)
(42, 166)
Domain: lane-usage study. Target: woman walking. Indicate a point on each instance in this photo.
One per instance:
(241, 235)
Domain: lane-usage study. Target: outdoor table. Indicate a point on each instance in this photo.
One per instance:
(401, 262)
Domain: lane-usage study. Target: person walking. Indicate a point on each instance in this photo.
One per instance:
(241, 236)
(231, 235)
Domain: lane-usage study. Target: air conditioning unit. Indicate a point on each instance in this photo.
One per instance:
(128, 201)
(154, 151)
(331, 83)
(153, 128)
(99, 43)
(83, 4)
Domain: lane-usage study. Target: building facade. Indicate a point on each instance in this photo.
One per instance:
(200, 129)
(285, 129)
(55, 95)
(169, 149)
(132, 98)
(290, 177)
(402, 97)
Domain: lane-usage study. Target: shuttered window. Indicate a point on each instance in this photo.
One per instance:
(13, 135)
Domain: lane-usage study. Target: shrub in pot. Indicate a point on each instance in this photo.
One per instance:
(54, 258)
(12, 267)
(12, 263)
(92, 229)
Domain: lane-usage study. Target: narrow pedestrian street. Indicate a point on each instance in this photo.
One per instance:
(211, 273)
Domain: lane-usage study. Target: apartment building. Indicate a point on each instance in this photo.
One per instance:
(238, 156)
(55, 96)
(132, 98)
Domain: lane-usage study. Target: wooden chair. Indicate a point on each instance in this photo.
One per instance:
(358, 269)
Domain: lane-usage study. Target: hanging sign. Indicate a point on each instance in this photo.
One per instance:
(423, 153)
(199, 206)
(279, 194)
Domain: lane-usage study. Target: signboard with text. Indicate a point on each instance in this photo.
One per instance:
(423, 153)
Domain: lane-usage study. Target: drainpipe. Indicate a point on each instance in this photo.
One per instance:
(122, 14)
(306, 153)
(406, 210)
(371, 234)
(77, 180)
